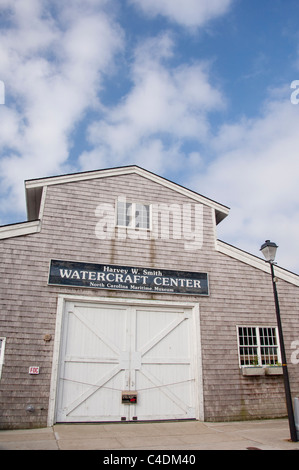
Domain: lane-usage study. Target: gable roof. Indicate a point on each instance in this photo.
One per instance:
(36, 194)
(34, 187)
(256, 262)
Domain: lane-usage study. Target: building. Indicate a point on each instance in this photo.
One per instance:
(119, 303)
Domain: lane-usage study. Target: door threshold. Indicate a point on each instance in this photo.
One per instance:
(144, 421)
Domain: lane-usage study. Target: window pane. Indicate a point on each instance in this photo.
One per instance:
(124, 213)
(269, 346)
(142, 219)
(248, 346)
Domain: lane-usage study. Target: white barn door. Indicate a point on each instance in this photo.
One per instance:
(110, 349)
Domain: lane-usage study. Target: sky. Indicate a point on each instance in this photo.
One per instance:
(202, 92)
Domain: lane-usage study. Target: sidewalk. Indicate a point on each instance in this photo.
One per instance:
(181, 435)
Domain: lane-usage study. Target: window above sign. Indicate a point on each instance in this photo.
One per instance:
(133, 215)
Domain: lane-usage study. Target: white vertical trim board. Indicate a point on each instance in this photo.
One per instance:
(256, 262)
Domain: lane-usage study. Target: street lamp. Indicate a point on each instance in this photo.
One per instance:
(269, 251)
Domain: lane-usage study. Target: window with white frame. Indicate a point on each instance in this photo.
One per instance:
(2, 347)
(133, 215)
(258, 346)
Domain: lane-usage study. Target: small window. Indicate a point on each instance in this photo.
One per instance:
(133, 215)
(2, 347)
(258, 346)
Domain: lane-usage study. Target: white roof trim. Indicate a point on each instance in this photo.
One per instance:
(71, 178)
(256, 262)
(83, 176)
(18, 230)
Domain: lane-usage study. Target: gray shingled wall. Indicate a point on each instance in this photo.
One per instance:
(239, 295)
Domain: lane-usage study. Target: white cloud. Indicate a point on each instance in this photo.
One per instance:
(189, 13)
(53, 56)
(165, 106)
(52, 68)
(256, 173)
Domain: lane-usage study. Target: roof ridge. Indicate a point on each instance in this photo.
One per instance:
(221, 210)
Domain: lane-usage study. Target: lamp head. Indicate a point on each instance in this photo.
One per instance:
(269, 250)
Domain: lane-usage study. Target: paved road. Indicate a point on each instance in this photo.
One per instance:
(164, 436)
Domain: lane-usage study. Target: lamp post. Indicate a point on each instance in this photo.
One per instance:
(269, 251)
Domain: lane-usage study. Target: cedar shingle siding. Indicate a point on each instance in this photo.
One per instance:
(239, 294)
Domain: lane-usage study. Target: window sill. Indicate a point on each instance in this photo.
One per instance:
(126, 227)
(274, 370)
(253, 371)
(259, 370)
